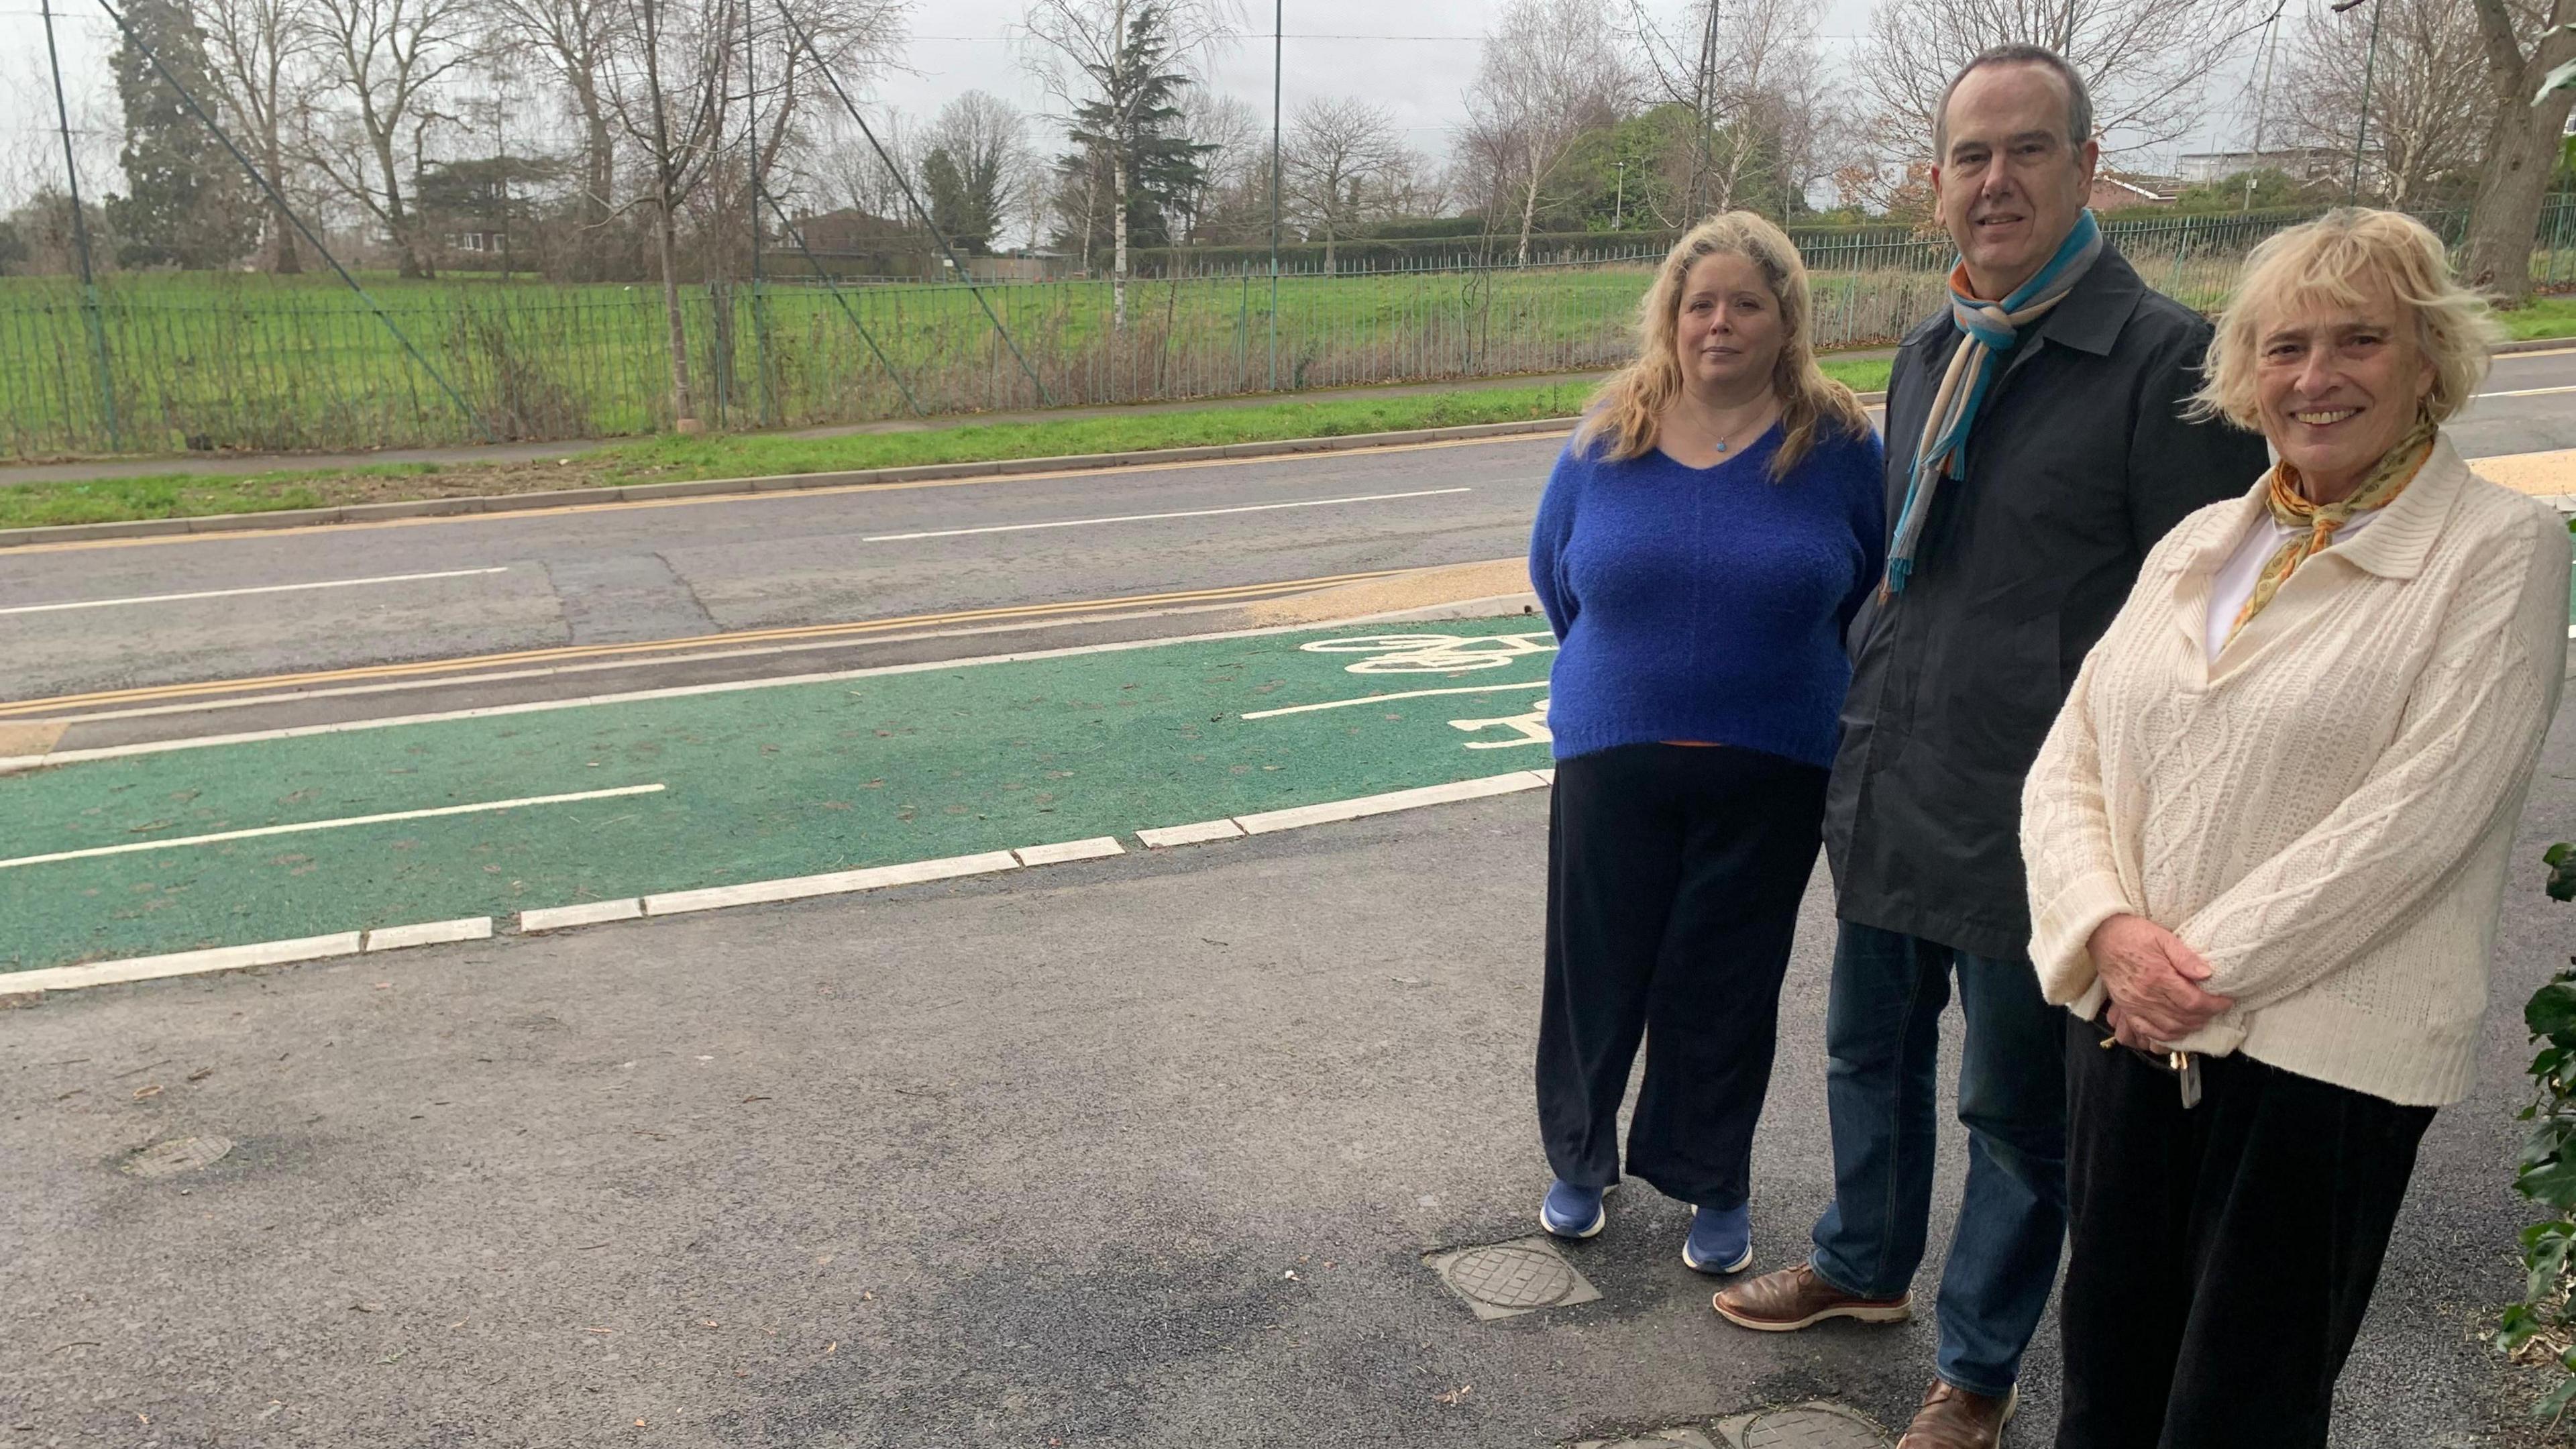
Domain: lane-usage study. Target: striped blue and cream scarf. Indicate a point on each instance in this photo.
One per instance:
(1988, 331)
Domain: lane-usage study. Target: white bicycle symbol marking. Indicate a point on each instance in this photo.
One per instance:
(1530, 726)
(1434, 653)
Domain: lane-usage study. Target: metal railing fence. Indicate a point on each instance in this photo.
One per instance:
(199, 361)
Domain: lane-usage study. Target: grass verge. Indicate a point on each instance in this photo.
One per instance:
(739, 455)
(2543, 317)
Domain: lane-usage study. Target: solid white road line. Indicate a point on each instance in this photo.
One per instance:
(1156, 517)
(183, 963)
(1384, 698)
(340, 824)
(1366, 805)
(1099, 847)
(2528, 392)
(430, 933)
(555, 918)
(834, 883)
(1166, 836)
(236, 593)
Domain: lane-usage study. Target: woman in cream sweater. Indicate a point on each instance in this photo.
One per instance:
(2267, 839)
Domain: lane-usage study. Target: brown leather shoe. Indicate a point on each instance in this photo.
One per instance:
(1795, 1298)
(1953, 1418)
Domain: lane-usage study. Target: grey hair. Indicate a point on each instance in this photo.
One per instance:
(2079, 101)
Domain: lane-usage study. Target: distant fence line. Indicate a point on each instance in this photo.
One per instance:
(240, 362)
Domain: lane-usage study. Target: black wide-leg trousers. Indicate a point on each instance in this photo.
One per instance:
(2221, 1256)
(1674, 877)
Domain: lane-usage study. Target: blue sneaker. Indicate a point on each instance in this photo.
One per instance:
(1721, 1239)
(1573, 1212)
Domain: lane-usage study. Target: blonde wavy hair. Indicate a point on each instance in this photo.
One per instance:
(1623, 416)
(2339, 261)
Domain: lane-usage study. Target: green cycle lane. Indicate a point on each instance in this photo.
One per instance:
(756, 783)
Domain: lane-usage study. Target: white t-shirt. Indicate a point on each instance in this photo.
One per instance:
(2244, 568)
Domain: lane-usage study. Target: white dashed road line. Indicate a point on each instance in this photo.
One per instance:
(236, 593)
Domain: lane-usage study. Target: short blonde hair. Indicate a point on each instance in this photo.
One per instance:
(2340, 260)
(1624, 414)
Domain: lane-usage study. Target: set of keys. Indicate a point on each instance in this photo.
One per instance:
(2184, 1066)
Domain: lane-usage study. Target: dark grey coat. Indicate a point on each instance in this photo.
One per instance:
(2079, 461)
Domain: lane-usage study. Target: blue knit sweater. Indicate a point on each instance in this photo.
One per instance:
(1707, 604)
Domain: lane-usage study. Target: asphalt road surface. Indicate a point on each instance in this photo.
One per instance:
(81, 619)
(1103, 1158)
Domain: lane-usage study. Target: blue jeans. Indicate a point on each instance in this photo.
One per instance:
(1882, 1038)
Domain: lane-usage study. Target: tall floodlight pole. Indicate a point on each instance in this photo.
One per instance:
(2263, 99)
(1278, 42)
(2361, 132)
(751, 156)
(80, 238)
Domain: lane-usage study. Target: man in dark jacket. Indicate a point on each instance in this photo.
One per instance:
(2046, 407)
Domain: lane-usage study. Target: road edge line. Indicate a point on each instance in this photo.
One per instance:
(1328, 812)
(181, 963)
(829, 883)
(29, 987)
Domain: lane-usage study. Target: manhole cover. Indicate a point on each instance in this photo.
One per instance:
(1811, 1426)
(1512, 1276)
(178, 1155)
(1504, 1279)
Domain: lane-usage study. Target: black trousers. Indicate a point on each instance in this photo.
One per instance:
(1674, 876)
(2220, 1258)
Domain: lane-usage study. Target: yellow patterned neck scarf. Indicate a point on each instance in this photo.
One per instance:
(2292, 509)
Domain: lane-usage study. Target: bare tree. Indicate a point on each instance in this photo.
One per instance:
(2529, 45)
(1234, 161)
(671, 70)
(1105, 60)
(569, 39)
(2425, 124)
(2147, 62)
(255, 56)
(1340, 164)
(1551, 72)
(365, 126)
(1748, 94)
(844, 171)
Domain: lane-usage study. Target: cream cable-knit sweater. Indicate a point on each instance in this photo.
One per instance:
(2325, 810)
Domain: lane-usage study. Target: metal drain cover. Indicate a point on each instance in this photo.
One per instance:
(1804, 1426)
(178, 1155)
(1503, 1280)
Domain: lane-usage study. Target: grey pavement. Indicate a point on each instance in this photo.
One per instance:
(1139, 1152)
(659, 570)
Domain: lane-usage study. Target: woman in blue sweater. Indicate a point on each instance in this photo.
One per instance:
(1703, 543)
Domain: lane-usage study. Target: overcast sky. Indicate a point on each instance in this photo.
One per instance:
(1411, 56)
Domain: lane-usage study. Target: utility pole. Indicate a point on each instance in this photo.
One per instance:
(2361, 132)
(751, 159)
(2263, 100)
(1704, 87)
(80, 238)
(1278, 44)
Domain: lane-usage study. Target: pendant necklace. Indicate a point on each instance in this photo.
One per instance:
(1724, 447)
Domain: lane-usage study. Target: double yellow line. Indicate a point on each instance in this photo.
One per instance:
(679, 649)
